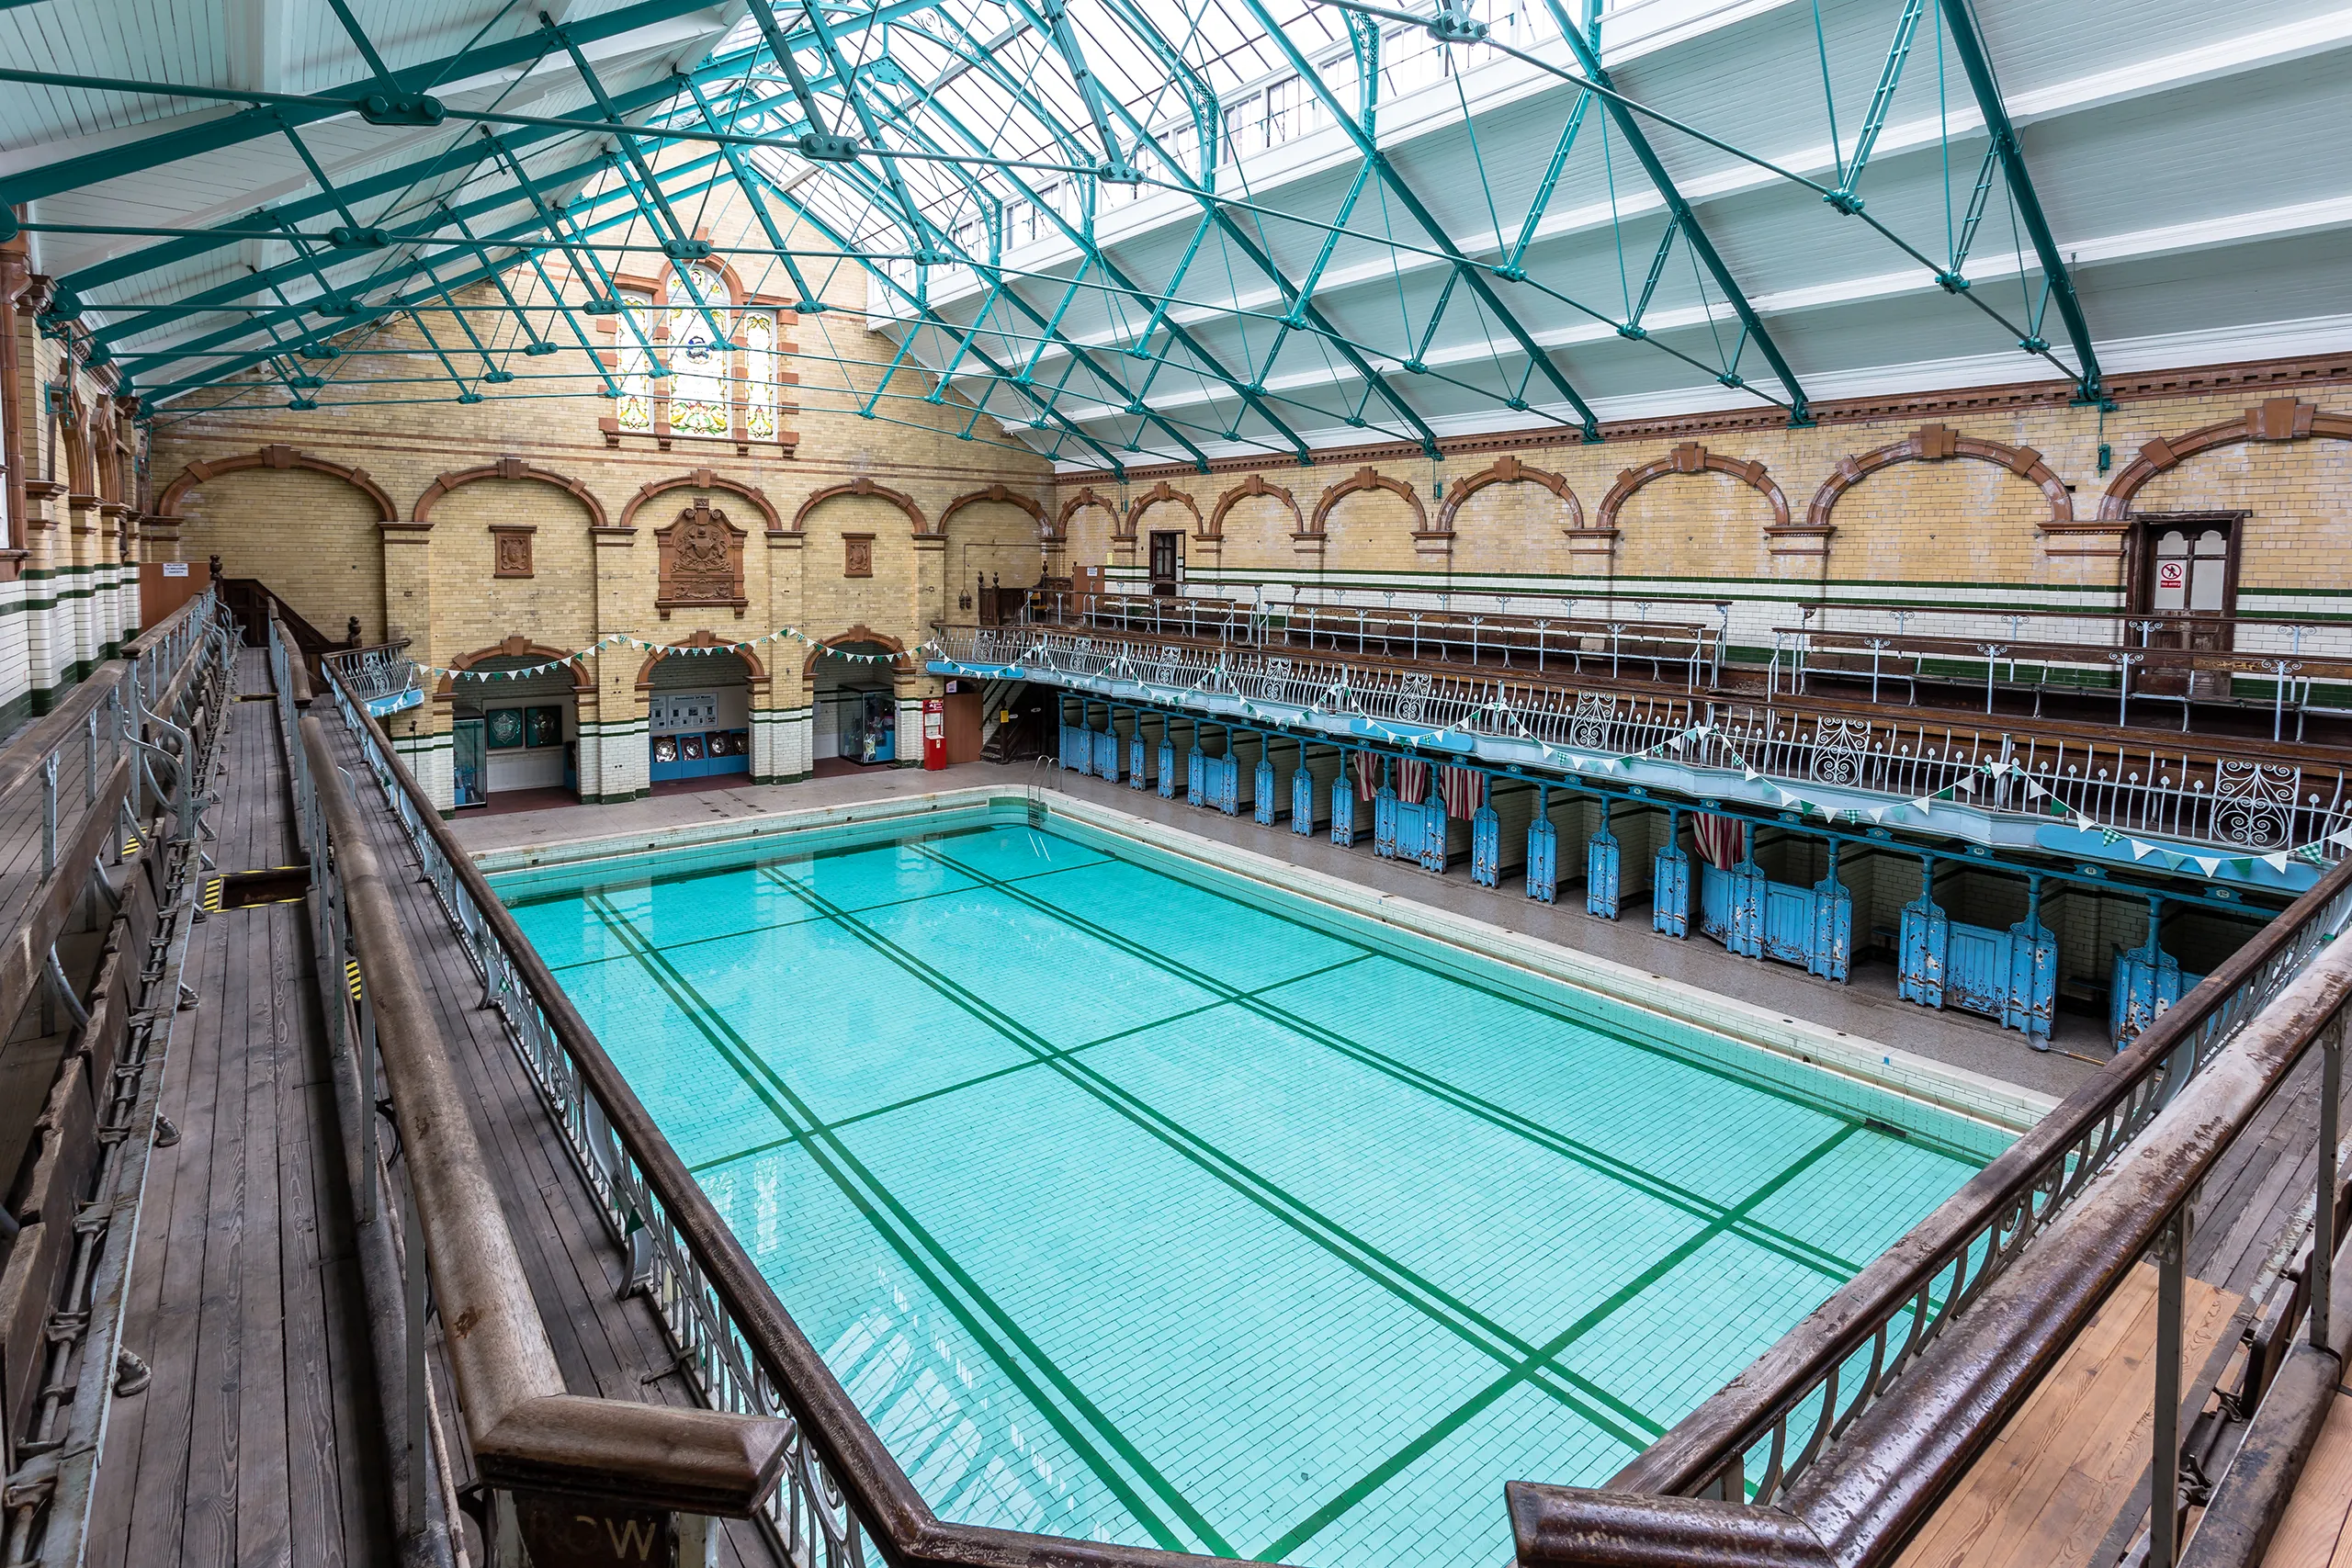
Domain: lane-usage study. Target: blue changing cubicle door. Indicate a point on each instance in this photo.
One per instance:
(1432, 847)
(1167, 767)
(1138, 777)
(1787, 922)
(1262, 797)
(1830, 953)
(1486, 848)
(1383, 823)
(2032, 1001)
(1542, 861)
(1926, 932)
(1344, 809)
(1072, 757)
(1196, 775)
(1301, 800)
(1731, 908)
(2146, 980)
(1600, 871)
(1225, 779)
(1106, 754)
(1670, 892)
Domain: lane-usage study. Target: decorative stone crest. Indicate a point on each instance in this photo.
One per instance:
(701, 561)
(510, 551)
(857, 555)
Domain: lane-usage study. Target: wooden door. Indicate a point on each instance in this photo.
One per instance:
(1167, 556)
(2185, 593)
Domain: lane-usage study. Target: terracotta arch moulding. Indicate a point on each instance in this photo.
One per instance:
(1937, 444)
(273, 456)
(1691, 457)
(584, 685)
(863, 486)
(701, 480)
(1161, 493)
(505, 469)
(704, 637)
(1364, 481)
(1002, 496)
(1255, 486)
(1505, 470)
(899, 665)
(2272, 419)
(1078, 503)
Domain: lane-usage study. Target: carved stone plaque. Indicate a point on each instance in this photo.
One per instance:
(510, 552)
(857, 555)
(701, 560)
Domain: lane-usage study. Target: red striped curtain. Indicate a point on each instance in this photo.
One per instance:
(1464, 791)
(1367, 775)
(1721, 839)
(1412, 781)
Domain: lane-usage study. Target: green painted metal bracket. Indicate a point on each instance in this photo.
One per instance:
(1959, 21)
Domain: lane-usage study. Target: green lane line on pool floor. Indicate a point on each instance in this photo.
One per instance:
(931, 1263)
(1115, 1035)
(1796, 1249)
(1405, 1284)
(1404, 1458)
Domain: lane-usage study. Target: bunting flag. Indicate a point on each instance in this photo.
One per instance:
(620, 639)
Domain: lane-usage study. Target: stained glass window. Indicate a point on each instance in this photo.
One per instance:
(759, 375)
(636, 410)
(699, 363)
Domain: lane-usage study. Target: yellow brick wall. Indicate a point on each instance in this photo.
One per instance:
(310, 536)
(1961, 522)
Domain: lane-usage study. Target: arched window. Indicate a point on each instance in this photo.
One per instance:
(718, 387)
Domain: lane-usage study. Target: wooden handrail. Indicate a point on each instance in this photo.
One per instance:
(526, 1433)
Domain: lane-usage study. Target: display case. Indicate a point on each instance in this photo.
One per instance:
(869, 726)
(468, 761)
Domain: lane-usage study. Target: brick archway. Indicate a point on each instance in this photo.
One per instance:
(275, 456)
(505, 469)
(705, 480)
(757, 673)
(900, 665)
(2272, 419)
(1078, 503)
(1936, 444)
(1690, 457)
(1505, 470)
(1161, 493)
(1363, 481)
(1001, 497)
(861, 485)
(1255, 485)
(517, 646)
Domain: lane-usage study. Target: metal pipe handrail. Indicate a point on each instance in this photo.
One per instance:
(1898, 1458)
(526, 1433)
(2255, 798)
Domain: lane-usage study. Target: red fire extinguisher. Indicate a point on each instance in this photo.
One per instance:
(934, 733)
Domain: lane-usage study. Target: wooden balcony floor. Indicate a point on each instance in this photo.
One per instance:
(259, 1441)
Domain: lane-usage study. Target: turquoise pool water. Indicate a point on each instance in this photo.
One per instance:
(1133, 1203)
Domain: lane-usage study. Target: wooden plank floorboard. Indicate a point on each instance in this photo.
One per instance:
(2044, 1493)
(2316, 1531)
(257, 1444)
(605, 1344)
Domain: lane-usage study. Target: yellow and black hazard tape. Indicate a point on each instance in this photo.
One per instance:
(210, 902)
(351, 973)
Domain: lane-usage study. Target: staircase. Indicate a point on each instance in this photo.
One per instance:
(1000, 741)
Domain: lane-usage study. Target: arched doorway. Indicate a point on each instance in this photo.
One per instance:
(857, 707)
(698, 710)
(511, 736)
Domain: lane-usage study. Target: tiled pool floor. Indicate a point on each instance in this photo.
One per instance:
(1127, 1209)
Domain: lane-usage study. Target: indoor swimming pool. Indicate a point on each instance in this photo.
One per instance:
(1135, 1200)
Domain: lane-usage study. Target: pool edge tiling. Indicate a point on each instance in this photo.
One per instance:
(1133, 1204)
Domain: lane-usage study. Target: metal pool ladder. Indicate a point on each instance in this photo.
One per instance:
(1036, 790)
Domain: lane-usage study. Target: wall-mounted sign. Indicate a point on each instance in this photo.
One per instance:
(674, 712)
(176, 569)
